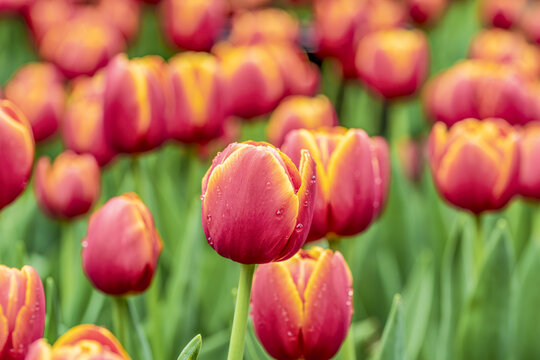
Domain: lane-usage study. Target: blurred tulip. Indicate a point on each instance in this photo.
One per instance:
(300, 112)
(506, 47)
(134, 103)
(82, 125)
(265, 25)
(15, 5)
(479, 89)
(17, 156)
(257, 206)
(241, 5)
(197, 106)
(411, 155)
(529, 172)
(232, 129)
(475, 164)
(353, 172)
(394, 63)
(69, 187)
(426, 11)
(122, 246)
(44, 14)
(194, 24)
(302, 307)
(122, 14)
(529, 23)
(22, 311)
(37, 89)
(501, 13)
(253, 80)
(78, 343)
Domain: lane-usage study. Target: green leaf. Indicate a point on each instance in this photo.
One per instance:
(392, 346)
(52, 317)
(192, 349)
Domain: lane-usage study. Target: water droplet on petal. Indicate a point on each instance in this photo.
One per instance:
(305, 203)
(84, 244)
(208, 217)
(290, 333)
(210, 242)
(279, 212)
(202, 197)
(299, 227)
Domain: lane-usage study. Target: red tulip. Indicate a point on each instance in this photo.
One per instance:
(529, 173)
(241, 5)
(353, 173)
(475, 164)
(257, 206)
(426, 11)
(17, 146)
(501, 13)
(265, 25)
(122, 247)
(15, 5)
(529, 23)
(302, 307)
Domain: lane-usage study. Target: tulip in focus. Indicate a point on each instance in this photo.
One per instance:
(529, 172)
(134, 103)
(302, 307)
(501, 13)
(300, 112)
(69, 186)
(475, 164)
(265, 25)
(78, 343)
(22, 311)
(121, 247)
(426, 11)
(197, 109)
(17, 156)
(353, 177)
(37, 89)
(257, 207)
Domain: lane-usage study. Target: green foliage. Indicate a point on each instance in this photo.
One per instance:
(192, 349)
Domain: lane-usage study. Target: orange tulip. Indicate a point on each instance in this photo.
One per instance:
(529, 173)
(121, 247)
(37, 89)
(17, 155)
(426, 11)
(353, 172)
(299, 112)
(475, 164)
(44, 14)
(501, 13)
(22, 311)
(257, 206)
(302, 307)
(69, 187)
(265, 25)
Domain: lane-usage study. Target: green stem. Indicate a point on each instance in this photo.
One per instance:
(67, 272)
(136, 172)
(120, 320)
(478, 245)
(238, 334)
(385, 118)
(349, 352)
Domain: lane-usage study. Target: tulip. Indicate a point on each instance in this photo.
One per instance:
(394, 63)
(353, 172)
(134, 103)
(194, 24)
(475, 164)
(265, 25)
(257, 206)
(302, 307)
(17, 146)
(529, 24)
(15, 5)
(80, 342)
(529, 175)
(37, 89)
(241, 5)
(82, 125)
(300, 112)
(122, 14)
(411, 155)
(426, 11)
(69, 187)
(42, 15)
(197, 107)
(22, 311)
(501, 13)
(121, 247)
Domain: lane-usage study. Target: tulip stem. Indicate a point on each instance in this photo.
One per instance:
(67, 275)
(349, 351)
(478, 245)
(238, 334)
(136, 172)
(385, 114)
(120, 319)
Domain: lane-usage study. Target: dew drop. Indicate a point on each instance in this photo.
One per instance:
(279, 212)
(313, 179)
(290, 333)
(299, 227)
(84, 244)
(305, 203)
(350, 293)
(208, 217)
(268, 184)
(202, 197)
(210, 242)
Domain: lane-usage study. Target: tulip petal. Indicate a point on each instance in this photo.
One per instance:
(381, 164)
(92, 333)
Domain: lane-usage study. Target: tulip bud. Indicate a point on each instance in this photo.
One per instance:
(529, 24)
(17, 154)
(197, 105)
(134, 105)
(300, 112)
(302, 308)
(353, 173)
(265, 25)
(122, 246)
(194, 24)
(122, 14)
(37, 89)
(426, 11)
(257, 206)
(22, 311)
(69, 187)
(82, 125)
(80, 342)
(394, 63)
(43, 15)
(501, 13)
(529, 173)
(475, 164)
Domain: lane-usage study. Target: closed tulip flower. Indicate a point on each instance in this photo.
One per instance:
(353, 172)
(82, 125)
(37, 89)
(426, 11)
(475, 164)
(529, 173)
(69, 186)
(22, 315)
(265, 25)
(122, 14)
(42, 15)
(300, 112)
(394, 63)
(17, 155)
(78, 343)
(302, 307)
(501, 13)
(197, 109)
(122, 246)
(257, 207)
(134, 103)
